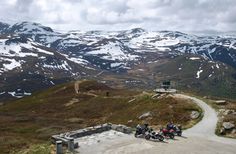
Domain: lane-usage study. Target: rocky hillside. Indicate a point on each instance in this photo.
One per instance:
(31, 53)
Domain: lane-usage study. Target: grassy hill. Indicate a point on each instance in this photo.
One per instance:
(33, 119)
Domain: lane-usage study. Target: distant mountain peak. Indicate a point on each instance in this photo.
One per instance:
(29, 27)
(3, 27)
(138, 30)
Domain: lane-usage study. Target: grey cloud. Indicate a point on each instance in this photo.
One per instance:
(23, 5)
(182, 15)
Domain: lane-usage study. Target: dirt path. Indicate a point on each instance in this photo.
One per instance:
(200, 139)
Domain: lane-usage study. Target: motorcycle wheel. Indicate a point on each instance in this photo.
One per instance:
(179, 134)
(161, 138)
(136, 135)
(172, 136)
(147, 137)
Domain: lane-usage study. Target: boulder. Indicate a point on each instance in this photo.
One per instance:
(122, 128)
(222, 131)
(222, 110)
(233, 131)
(228, 125)
(220, 102)
(194, 115)
(227, 112)
(145, 115)
(206, 97)
(130, 121)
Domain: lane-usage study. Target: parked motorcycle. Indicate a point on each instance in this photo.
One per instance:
(153, 135)
(141, 131)
(168, 133)
(176, 129)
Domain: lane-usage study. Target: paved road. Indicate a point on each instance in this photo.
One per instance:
(207, 126)
(199, 139)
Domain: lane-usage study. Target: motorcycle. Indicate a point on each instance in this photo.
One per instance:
(141, 131)
(167, 133)
(153, 135)
(176, 129)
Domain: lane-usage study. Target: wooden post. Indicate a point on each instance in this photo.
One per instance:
(59, 147)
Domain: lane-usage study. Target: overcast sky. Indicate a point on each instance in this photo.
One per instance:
(182, 15)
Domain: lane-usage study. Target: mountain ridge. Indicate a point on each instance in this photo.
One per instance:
(93, 54)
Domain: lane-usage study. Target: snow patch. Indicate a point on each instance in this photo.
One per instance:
(194, 58)
(52, 83)
(11, 64)
(112, 51)
(116, 64)
(1, 93)
(198, 73)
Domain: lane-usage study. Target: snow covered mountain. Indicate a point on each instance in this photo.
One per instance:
(122, 47)
(32, 51)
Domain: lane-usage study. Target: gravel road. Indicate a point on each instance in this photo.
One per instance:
(200, 139)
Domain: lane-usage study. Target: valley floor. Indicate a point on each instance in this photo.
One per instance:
(200, 139)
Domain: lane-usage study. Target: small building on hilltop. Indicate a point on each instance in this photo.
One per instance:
(165, 87)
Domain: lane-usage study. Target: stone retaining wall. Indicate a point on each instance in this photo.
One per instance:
(89, 131)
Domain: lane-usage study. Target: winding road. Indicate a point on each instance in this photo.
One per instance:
(207, 126)
(200, 139)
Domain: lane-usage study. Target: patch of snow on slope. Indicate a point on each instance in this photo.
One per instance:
(10, 65)
(212, 50)
(194, 58)
(152, 40)
(52, 83)
(14, 94)
(78, 60)
(43, 51)
(1, 93)
(112, 51)
(232, 45)
(63, 66)
(19, 94)
(39, 49)
(162, 49)
(167, 42)
(66, 66)
(116, 64)
(15, 50)
(198, 73)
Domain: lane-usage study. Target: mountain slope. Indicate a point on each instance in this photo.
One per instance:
(38, 54)
(24, 63)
